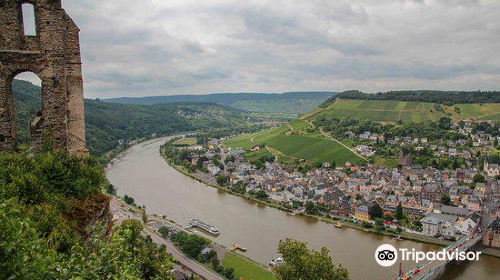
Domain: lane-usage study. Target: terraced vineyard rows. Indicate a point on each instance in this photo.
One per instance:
(393, 111)
(301, 140)
(294, 141)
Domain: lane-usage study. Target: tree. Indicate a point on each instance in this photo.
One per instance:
(193, 245)
(261, 194)
(399, 212)
(444, 123)
(128, 200)
(311, 208)
(110, 189)
(379, 223)
(44, 234)
(189, 244)
(239, 188)
(333, 165)
(164, 231)
(144, 217)
(479, 178)
(300, 263)
(222, 180)
(445, 199)
(376, 211)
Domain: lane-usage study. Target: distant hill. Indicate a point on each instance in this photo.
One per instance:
(290, 102)
(393, 111)
(107, 123)
(433, 96)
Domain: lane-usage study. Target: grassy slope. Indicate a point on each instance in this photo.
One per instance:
(393, 111)
(255, 155)
(245, 268)
(313, 148)
(298, 106)
(296, 140)
(185, 141)
(293, 141)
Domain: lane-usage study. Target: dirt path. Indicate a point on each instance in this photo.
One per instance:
(310, 114)
(335, 140)
(277, 153)
(274, 154)
(484, 116)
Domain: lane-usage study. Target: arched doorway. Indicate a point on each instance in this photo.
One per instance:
(26, 92)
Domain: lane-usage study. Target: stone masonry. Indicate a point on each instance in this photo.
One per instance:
(54, 55)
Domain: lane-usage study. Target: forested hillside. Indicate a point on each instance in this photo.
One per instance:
(432, 96)
(289, 102)
(107, 124)
(55, 222)
(26, 104)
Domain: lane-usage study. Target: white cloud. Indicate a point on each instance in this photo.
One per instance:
(156, 47)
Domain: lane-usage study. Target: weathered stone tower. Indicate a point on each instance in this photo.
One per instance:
(54, 55)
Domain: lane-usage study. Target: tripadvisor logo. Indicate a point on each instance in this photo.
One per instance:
(387, 255)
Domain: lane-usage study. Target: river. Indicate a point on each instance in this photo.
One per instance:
(141, 173)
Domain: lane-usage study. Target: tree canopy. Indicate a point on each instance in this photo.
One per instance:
(376, 211)
(434, 96)
(54, 224)
(304, 264)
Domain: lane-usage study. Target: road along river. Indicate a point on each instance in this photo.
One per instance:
(141, 173)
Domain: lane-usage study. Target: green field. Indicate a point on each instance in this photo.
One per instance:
(392, 111)
(313, 148)
(292, 141)
(245, 268)
(300, 140)
(242, 141)
(185, 142)
(255, 155)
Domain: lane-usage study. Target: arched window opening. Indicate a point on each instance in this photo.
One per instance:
(26, 90)
(29, 22)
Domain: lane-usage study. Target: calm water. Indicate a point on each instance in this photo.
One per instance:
(140, 172)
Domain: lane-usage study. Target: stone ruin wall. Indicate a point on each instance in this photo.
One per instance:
(54, 55)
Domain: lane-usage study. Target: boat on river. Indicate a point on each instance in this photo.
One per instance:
(204, 226)
(339, 225)
(236, 246)
(276, 262)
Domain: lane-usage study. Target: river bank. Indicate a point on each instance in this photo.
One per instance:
(403, 235)
(276, 205)
(142, 173)
(243, 267)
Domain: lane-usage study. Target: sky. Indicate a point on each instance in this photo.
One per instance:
(167, 47)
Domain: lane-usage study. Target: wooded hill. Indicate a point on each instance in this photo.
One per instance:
(432, 96)
(289, 102)
(107, 123)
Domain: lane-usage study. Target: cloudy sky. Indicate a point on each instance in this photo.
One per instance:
(166, 47)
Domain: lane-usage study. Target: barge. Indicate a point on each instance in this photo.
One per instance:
(204, 226)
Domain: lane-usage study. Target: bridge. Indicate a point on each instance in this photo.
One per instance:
(433, 269)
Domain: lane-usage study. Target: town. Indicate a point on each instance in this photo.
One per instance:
(409, 199)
